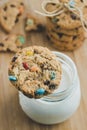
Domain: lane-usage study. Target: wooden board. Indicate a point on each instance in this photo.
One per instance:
(11, 115)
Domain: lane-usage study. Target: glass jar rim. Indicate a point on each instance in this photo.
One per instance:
(64, 59)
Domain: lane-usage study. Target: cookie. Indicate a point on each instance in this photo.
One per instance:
(10, 13)
(12, 43)
(35, 71)
(33, 24)
(68, 19)
(62, 37)
(66, 46)
(58, 29)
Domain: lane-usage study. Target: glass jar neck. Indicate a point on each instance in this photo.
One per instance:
(69, 77)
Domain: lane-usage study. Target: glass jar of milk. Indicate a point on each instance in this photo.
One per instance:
(60, 105)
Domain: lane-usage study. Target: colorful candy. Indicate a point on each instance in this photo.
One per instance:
(71, 3)
(52, 75)
(29, 53)
(25, 65)
(40, 91)
(12, 78)
(21, 39)
(30, 22)
(54, 20)
(34, 68)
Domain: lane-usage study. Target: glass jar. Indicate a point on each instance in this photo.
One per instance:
(60, 105)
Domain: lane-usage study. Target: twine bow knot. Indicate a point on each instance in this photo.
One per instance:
(60, 8)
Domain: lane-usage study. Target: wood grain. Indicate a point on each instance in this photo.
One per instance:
(11, 115)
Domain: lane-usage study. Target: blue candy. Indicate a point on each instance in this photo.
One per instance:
(52, 75)
(40, 91)
(12, 78)
(54, 20)
(72, 3)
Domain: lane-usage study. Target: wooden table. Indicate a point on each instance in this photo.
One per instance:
(11, 115)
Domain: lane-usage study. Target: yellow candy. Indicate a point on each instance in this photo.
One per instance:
(29, 53)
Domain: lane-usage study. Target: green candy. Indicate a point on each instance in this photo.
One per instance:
(30, 22)
(21, 39)
(54, 20)
(52, 75)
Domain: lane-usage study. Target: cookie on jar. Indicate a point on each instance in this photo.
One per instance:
(12, 42)
(10, 14)
(35, 71)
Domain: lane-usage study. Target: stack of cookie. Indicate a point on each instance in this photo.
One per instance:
(65, 30)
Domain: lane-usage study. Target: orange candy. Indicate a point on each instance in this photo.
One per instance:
(34, 68)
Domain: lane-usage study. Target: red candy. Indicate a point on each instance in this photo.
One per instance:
(25, 65)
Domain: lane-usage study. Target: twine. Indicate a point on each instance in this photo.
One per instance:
(60, 8)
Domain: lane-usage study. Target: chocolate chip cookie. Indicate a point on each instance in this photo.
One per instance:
(58, 29)
(10, 13)
(62, 37)
(12, 42)
(66, 46)
(35, 71)
(68, 19)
